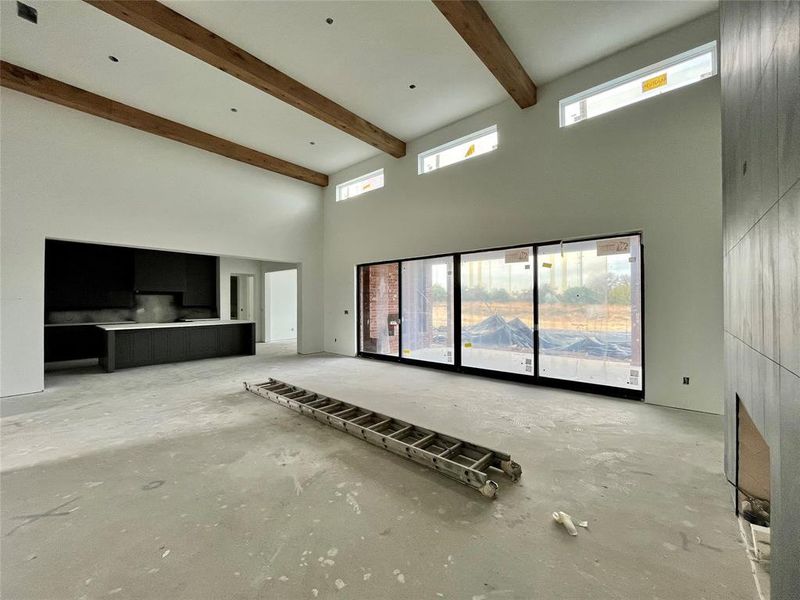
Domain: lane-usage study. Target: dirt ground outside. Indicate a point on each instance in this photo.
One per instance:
(577, 317)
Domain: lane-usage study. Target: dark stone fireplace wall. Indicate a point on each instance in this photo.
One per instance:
(760, 71)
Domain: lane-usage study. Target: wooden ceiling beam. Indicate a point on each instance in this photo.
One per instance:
(476, 28)
(176, 30)
(40, 86)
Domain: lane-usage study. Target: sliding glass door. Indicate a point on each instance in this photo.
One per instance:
(427, 308)
(566, 314)
(590, 313)
(379, 309)
(497, 317)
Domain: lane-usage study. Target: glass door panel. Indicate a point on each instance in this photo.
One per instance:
(590, 317)
(427, 331)
(497, 310)
(379, 324)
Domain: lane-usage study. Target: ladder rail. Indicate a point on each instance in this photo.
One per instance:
(389, 433)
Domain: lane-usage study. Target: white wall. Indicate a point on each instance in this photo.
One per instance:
(228, 266)
(281, 289)
(65, 174)
(241, 266)
(654, 166)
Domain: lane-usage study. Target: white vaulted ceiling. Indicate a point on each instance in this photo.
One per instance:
(552, 39)
(365, 61)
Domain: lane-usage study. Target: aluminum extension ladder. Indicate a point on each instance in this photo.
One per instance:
(455, 458)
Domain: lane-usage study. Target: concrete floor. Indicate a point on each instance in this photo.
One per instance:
(171, 482)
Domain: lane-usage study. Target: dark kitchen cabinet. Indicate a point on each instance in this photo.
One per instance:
(136, 346)
(81, 276)
(232, 342)
(201, 342)
(87, 276)
(156, 271)
(201, 280)
(168, 345)
(72, 342)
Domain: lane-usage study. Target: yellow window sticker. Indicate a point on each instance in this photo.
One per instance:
(654, 82)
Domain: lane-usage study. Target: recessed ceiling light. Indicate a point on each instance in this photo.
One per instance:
(412, 86)
(27, 12)
(329, 21)
(234, 110)
(113, 59)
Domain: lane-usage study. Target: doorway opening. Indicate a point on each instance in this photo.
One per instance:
(242, 297)
(280, 306)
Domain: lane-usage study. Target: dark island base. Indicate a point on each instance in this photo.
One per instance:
(125, 348)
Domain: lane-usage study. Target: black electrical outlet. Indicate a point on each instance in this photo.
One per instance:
(27, 12)
(685, 381)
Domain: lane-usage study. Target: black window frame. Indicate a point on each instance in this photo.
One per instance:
(457, 367)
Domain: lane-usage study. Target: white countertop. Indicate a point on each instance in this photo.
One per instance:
(212, 322)
(88, 324)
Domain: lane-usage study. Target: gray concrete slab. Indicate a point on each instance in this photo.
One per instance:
(173, 482)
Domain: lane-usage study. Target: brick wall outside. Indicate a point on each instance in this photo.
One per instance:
(381, 285)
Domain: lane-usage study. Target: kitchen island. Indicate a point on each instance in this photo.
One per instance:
(138, 344)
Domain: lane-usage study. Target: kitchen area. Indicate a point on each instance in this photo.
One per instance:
(126, 307)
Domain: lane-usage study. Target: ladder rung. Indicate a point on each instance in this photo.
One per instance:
(426, 440)
(482, 462)
(271, 386)
(451, 450)
(317, 403)
(384, 422)
(405, 429)
(303, 398)
(327, 407)
(344, 412)
(361, 418)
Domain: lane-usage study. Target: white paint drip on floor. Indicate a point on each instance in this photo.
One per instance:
(352, 502)
(274, 556)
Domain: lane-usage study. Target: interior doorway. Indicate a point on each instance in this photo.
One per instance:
(242, 297)
(280, 305)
